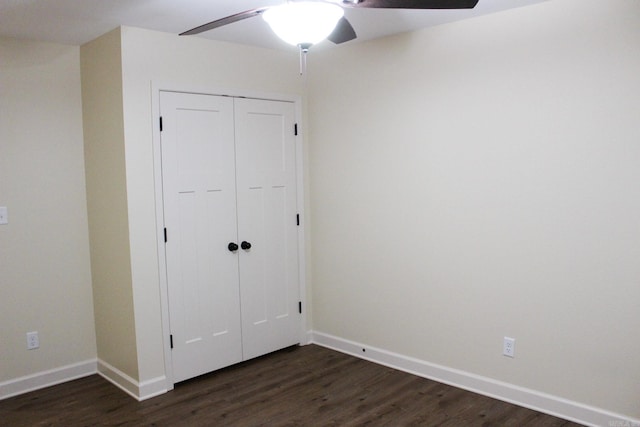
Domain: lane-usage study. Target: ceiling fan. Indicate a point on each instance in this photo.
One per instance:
(305, 22)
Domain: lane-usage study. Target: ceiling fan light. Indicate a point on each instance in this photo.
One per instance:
(303, 23)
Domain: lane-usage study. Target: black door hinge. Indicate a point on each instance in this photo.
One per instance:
(160, 123)
(171, 341)
(295, 129)
(300, 307)
(165, 234)
(298, 219)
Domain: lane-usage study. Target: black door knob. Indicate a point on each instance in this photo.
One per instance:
(245, 245)
(232, 247)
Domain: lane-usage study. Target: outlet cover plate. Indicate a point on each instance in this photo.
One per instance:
(33, 341)
(509, 347)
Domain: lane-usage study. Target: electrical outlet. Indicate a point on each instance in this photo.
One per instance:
(509, 347)
(33, 341)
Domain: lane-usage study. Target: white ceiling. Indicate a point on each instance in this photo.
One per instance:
(78, 21)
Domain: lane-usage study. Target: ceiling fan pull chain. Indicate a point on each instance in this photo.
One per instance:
(303, 61)
(304, 48)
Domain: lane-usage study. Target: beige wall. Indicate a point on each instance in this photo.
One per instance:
(107, 202)
(45, 279)
(481, 179)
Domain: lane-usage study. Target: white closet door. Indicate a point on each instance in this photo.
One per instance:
(266, 192)
(198, 170)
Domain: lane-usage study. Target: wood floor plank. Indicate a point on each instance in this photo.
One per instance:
(298, 386)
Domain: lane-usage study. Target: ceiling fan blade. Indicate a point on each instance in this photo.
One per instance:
(412, 4)
(224, 21)
(343, 32)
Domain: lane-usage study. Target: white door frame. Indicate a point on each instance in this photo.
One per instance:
(156, 88)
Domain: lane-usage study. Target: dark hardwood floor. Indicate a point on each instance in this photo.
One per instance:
(299, 386)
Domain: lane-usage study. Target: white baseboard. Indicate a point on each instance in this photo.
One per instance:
(541, 402)
(307, 338)
(153, 387)
(47, 378)
(138, 390)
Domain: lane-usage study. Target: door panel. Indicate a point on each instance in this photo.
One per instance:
(266, 183)
(228, 168)
(198, 169)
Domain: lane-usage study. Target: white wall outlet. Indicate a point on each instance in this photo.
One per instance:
(509, 347)
(33, 341)
(4, 215)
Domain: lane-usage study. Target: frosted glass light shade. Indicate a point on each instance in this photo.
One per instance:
(300, 23)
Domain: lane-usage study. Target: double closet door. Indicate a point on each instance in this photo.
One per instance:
(229, 195)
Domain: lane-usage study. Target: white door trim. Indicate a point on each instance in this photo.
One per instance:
(156, 88)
